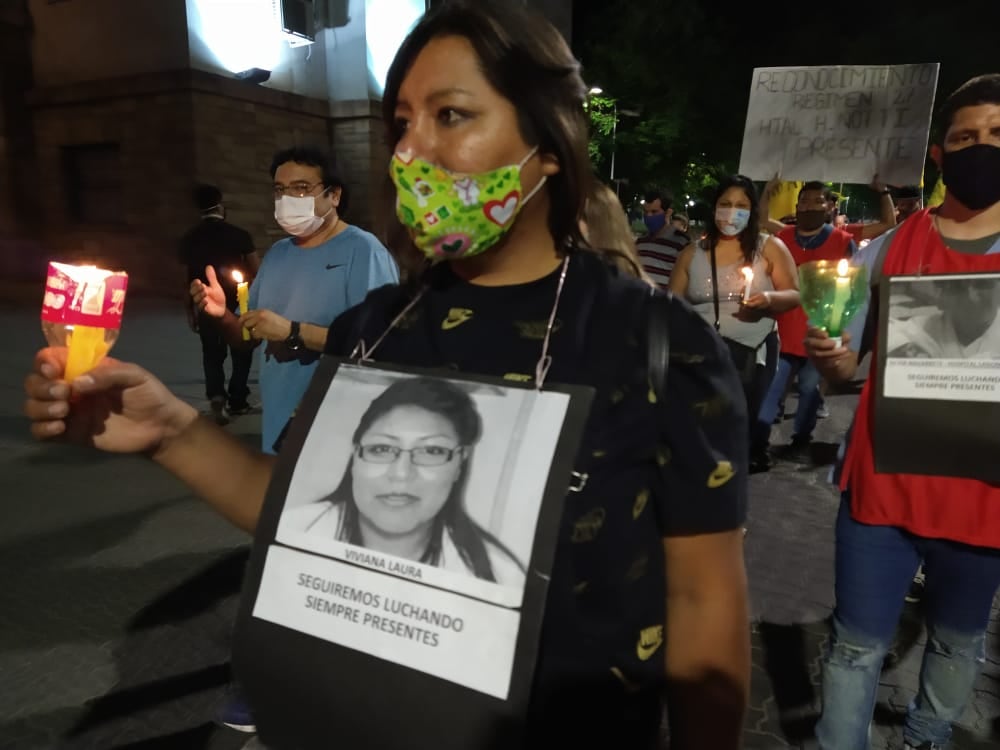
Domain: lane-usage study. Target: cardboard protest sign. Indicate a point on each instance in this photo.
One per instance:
(937, 404)
(839, 123)
(400, 568)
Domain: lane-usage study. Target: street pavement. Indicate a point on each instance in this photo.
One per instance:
(120, 589)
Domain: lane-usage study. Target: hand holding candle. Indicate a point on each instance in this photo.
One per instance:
(747, 272)
(831, 293)
(82, 310)
(243, 298)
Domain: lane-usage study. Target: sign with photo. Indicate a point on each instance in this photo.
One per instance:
(402, 559)
(939, 376)
(839, 123)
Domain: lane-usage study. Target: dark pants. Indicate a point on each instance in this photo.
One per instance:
(755, 390)
(213, 357)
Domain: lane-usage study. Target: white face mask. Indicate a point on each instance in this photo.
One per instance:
(297, 216)
(732, 221)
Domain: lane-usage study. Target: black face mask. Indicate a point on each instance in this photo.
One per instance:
(807, 221)
(972, 175)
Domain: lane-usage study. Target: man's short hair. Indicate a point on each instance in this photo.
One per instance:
(909, 191)
(984, 89)
(828, 195)
(207, 197)
(312, 156)
(661, 196)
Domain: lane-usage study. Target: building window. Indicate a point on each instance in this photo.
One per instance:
(93, 175)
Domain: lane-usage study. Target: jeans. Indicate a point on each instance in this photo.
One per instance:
(213, 357)
(790, 365)
(755, 391)
(875, 565)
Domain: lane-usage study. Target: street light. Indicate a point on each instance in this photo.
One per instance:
(597, 91)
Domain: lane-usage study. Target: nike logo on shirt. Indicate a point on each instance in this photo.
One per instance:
(330, 266)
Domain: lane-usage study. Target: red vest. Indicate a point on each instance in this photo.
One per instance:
(958, 509)
(792, 325)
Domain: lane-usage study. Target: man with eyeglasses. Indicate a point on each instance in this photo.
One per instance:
(305, 281)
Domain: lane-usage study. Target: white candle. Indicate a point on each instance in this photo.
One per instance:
(243, 298)
(748, 275)
(842, 292)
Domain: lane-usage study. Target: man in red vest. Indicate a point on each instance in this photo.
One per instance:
(812, 237)
(890, 522)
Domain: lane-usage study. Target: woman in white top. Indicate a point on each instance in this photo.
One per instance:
(404, 489)
(710, 275)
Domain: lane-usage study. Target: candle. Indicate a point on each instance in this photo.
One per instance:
(243, 297)
(82, 310)
(748, 275)
(842, 292)
(86, 347)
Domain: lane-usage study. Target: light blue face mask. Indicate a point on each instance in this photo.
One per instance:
(732, 221)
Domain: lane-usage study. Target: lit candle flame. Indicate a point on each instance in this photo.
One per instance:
(238, 277)
(748, 274)
(842, 266)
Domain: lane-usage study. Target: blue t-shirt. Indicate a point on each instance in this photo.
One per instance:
(310, 285)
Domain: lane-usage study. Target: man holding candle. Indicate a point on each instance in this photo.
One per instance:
(226, 248)
(305, 281)
(891, 522)
(812, 237)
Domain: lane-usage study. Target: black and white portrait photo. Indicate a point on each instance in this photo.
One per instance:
(942, 337)
(429, 478)
(945, 317)
(408, 510)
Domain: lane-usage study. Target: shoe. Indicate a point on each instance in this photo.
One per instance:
(822, 412)
(217, 407)
(236, 714)
(797, 450)
(760, 461)
(916, 592)
(240, 410)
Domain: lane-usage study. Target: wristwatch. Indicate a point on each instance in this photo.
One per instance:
(294, 340)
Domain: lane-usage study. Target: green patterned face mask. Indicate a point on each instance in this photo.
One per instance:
(457, 216)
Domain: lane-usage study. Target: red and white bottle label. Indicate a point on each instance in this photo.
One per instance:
(84, 296)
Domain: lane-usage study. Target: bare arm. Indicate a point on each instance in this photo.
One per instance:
(708, 640)
(784, 276)
(887, 213)
(220, 469)
(772, 226)
(680, 276)
(267, 325)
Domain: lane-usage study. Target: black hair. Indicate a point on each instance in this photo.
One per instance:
(454, 404)
(828, 194)
(909, 191)
(206, 197)
(984, 89)
(658, 195)
(527, 60)
(313, 156)
(750, 236)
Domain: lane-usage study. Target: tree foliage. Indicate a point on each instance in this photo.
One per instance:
(686, 67)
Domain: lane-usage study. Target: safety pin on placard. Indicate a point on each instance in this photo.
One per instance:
(578, 481)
